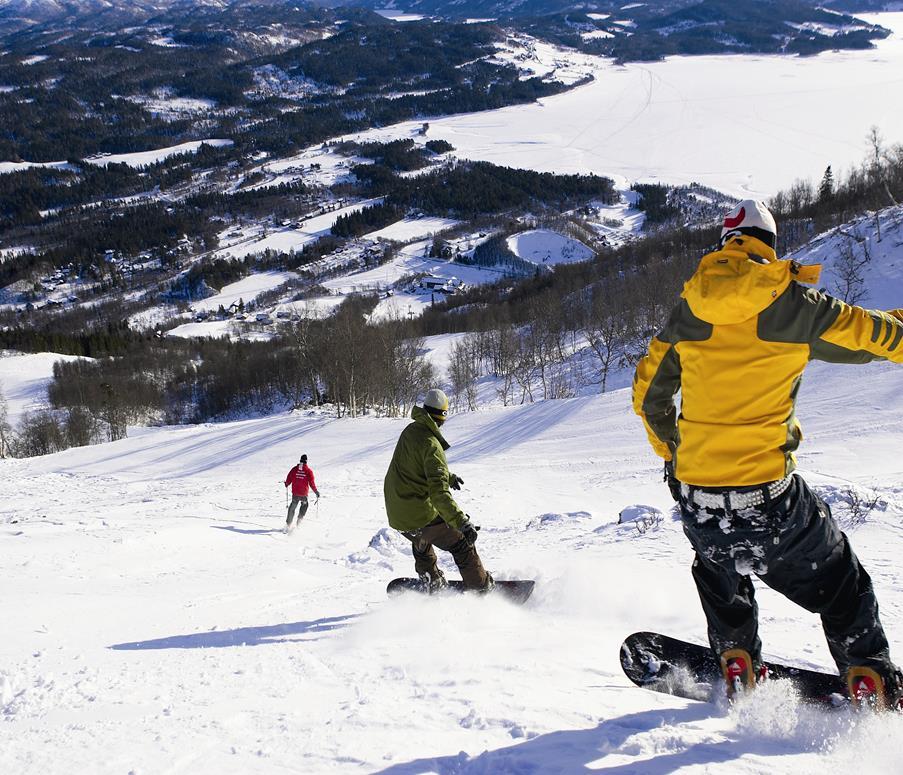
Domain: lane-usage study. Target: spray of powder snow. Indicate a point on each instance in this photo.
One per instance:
(843, 739)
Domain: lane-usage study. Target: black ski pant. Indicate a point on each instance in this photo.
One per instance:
(794, 545)
(439, 533)
(301, 502)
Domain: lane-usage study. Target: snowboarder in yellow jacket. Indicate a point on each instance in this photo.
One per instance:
(420, 505)
(735, 347)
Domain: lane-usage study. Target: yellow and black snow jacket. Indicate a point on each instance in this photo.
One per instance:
(735, 347)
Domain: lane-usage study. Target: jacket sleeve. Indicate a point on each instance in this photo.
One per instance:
(436, 470)
(313, 484)
(655, 383)
(842, 333)
(288, 479)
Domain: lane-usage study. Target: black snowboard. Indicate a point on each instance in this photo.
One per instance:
(689, 670)
(515, 591)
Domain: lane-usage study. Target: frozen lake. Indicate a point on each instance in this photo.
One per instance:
(747, 125)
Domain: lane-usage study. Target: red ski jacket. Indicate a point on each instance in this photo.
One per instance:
(301, 478)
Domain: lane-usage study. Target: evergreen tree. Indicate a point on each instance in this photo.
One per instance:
(826, 188)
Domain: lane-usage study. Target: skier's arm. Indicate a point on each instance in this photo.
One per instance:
(288, 479)
(655, 383)
(313, 484)
(843, 333)
(436, 470)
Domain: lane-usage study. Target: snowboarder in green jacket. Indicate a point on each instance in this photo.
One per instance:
(420, 505)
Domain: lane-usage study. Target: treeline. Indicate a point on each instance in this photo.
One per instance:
(655, 202)
(426, 53)
(205, 277)
(282, 200)
(343, 362)
(724, 26)
(25, 194)
(807, 207)
(495, 253)
(397, 155)
(366, 220)
(83, 239)
(74, 333)
(556, 332)
(471, 189)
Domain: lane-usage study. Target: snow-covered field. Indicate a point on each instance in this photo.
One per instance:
(23, 381)
(745, 125)
(290, 238)
(146, 158)
(409, 229)
(155, 619)
(544, 247)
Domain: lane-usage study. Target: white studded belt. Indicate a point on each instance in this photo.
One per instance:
(734, 500)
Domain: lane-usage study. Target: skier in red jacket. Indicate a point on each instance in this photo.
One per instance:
(301, 478)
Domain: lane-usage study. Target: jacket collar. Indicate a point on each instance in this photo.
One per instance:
(737, 282)
(421, 416)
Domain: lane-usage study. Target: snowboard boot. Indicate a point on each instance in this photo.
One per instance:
(869, 688)
(866, 688)
(488, 586)
(739, 672)
(434, 581)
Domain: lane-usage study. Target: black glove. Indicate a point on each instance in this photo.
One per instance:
(470, 531)
(455, 481)
(673, 483)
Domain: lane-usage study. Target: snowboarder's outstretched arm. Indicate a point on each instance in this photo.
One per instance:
(843, 333)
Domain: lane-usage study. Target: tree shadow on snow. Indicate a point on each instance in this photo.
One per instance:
(505, 433)
(244, 531)
(568, 751)
(244, 636)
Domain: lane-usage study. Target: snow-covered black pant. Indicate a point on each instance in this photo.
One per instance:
(440, 533)
(794, 545)
(301, 502)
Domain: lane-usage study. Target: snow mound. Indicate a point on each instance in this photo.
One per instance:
(551, 518)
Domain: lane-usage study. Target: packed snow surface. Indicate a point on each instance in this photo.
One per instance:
(745, 125)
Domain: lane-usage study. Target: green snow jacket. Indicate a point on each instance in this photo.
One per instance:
(416, 484)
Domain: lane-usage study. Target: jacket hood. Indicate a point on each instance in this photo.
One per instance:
(421, 416)
(739, 281)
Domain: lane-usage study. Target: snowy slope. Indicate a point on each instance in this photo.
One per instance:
(24, 379)
(156, 619)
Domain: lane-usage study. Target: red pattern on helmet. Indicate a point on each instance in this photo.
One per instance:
(733, 223)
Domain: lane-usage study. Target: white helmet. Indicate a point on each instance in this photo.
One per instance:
(753, 218)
